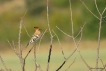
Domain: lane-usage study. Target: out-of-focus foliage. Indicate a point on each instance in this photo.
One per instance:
(35, 6)
(92, 26)
(59, 15)
(2, 1)
(60, 3)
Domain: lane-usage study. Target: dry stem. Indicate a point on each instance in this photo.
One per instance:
(88, 9)
(60, 45)
(71, 64)
(3, 64)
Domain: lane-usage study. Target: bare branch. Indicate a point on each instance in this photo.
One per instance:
(103, 64)
(24, 59)
(88, 9)
(79, 51)
(10, 44)
(49, 56)
(81, 34)
(104, 68)
(3, 64)
(84, 61)
(38, 66)
(41, 39)
(77, 45)
(19, 38)
(60, 45)
(14, 48)
(29, 51)
(63, 31)
(50, 36)
(15, 51)
(71, 53)
(97, 68)
(80, 31)
(35, 58)
(70, 64)
(97, 7)
(48, 18)
(104, 11)
(99, 35)
(71, 18)
(26, 31)
(61, 66)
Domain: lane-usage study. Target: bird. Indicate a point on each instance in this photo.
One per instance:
(35, 36)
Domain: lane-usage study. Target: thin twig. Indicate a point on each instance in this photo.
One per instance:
(41, 39)
(77, 45)
(24, 25)
(24, 59)
(19, 38)
(48, 19)
(97, 68)
(15, 51)
(88, 9)
(35, 57)
(80, 53)
(85, 61)
(71, 54)
(63, 32)
(81, 34)
(77, 34)
(71, 18)
(80, 31)
(29, 51)
(68, 36)
(60, 45)
(70, 64)
(103, 64)
(3, 64)
(99, 35)
(64, 64)
(50, 36)
(60, 66)
(13, 47)
(19, 44)
(10, 44)
(97, 7)
(104, 68)
(38, 66)
(49, 56)
(104, 11)
(26, 31)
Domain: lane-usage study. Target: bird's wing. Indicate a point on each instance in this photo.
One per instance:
(33, 39)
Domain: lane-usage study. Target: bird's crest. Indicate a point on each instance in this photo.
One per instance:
(37, 28)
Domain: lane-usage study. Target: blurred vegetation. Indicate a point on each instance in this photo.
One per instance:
(59, 14)
(35, 6)
(3, 1)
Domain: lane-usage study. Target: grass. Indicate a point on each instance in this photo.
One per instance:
(89, 54)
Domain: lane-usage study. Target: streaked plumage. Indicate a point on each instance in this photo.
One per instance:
(35, 36)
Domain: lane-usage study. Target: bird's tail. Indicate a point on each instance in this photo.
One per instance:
(27, 45)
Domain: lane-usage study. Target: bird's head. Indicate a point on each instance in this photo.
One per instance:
(37, 28)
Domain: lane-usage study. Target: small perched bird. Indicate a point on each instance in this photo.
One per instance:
(35, 36)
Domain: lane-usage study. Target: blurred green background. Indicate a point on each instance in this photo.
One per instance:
(11, 12)
(59, 14)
